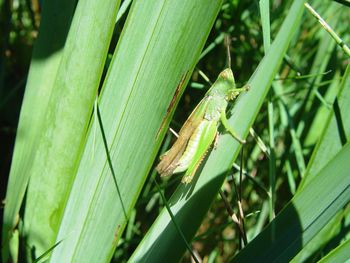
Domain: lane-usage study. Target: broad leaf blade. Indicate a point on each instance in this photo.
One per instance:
(65, 121)
(307, 213)
(159, 46)
(46, 58)
(190, 203)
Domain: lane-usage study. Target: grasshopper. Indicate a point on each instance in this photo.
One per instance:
(201, 128)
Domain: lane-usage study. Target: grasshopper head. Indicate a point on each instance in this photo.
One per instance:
(228, 87)
(227, 76)
(231, 91)
(225, 86)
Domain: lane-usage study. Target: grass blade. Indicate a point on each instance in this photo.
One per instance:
(65, 121)
(46, 58)
(307, 213)
(149, 66)
(198, 196)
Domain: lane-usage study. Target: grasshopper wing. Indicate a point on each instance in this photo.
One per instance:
(169, 160)
(207, 131)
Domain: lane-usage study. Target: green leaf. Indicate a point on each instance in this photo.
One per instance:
(320, 65)
(335, 133)
(339, 254)
(157, 50)
(60, 135)
(190, 203)
(47, 54)
(307, 213)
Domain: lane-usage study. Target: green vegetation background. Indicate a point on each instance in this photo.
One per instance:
(290, 122)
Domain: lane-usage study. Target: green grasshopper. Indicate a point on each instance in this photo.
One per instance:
(201, 128)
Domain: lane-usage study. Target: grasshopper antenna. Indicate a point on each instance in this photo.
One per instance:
(228, 45)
